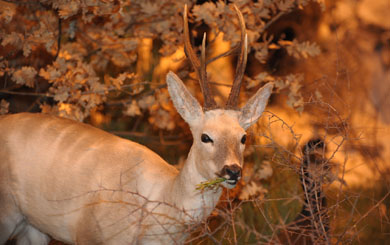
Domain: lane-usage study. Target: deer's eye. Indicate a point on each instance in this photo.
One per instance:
(206, 139)
(243, 139)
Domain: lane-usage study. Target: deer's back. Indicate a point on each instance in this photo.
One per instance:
(72, 175)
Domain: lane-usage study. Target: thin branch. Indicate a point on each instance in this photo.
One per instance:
(275, 18)
(227, 53)
(59, 37)
(235, 49)
(22, 2)
(26, 93)
(168, 140)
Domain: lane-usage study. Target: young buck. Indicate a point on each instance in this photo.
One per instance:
(78, 184)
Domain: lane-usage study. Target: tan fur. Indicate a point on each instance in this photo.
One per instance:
(82, 185)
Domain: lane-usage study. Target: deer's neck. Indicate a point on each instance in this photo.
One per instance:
(197, 205)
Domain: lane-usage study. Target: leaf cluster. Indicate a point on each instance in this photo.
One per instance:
(79, 57)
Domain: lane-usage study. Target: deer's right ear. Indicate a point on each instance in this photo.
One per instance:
(187, 106)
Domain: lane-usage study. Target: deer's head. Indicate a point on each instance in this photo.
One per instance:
(219, 133)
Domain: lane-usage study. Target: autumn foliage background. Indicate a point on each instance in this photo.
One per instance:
(104, 62)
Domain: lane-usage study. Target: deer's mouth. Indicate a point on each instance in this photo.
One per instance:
(231, 174)
(231, 181)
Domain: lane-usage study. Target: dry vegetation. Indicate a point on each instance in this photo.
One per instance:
(104, 62)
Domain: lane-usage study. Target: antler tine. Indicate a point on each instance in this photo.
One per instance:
(241, 64)
(203, 57)
(200, 68)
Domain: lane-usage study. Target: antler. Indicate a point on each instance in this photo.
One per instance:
(241, 64)
(200, 68)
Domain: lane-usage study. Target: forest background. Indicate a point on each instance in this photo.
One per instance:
(104, 62)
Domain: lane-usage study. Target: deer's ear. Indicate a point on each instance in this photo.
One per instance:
(187, 106)
(253, 109)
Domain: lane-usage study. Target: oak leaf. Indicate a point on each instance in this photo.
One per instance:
(25, 76)
(4, 105)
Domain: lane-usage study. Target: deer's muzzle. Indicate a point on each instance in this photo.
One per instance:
(232, 173)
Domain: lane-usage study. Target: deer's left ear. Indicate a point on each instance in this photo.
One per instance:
(253, 109)
(186, 104)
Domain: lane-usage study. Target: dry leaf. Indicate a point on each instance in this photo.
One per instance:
(132, 109)
(146, 102)
(4, 105)
(25, 76)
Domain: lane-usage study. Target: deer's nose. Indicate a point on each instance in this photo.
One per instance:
(232, 171)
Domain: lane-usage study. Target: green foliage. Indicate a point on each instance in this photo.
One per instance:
(211, 184)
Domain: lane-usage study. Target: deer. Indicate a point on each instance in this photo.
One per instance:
(69, 181)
